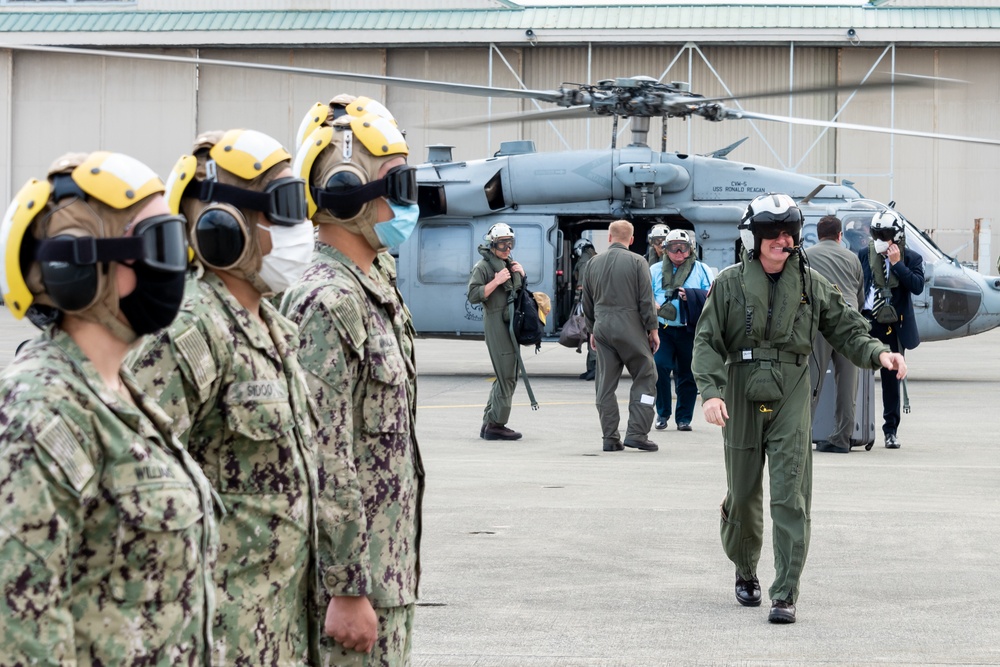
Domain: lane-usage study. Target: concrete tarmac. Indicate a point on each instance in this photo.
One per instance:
(548, 552)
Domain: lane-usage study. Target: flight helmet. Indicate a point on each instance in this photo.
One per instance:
(766, 217)
(887, 226)
(581, 246)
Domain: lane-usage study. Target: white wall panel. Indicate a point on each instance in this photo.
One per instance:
(942, 186)
(271, 102)
(8, 186)
(67, 103)
(425, 114)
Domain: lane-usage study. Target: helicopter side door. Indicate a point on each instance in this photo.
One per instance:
(434, 266)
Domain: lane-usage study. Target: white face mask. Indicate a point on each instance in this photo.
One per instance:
(290, 256)
(881, 246)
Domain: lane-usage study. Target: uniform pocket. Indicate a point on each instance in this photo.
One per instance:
(385, 405)
(255, 457)
(156, 544)
(764, 383)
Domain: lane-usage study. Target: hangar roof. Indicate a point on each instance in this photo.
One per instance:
(741, 23)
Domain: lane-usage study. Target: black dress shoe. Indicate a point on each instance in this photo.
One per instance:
(588, 375)
(781, 612)
(891, 441)
(482, 431)
(683, 426)
(661, 423)
(613, 446)
(825, 446)
(500, 432)
(748, 591)
(645, 445)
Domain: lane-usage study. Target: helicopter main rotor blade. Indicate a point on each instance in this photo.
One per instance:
(908, 81)
(582, 111)
(553, 96)
(750, 115)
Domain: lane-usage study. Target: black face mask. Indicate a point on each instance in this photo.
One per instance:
(154, 302)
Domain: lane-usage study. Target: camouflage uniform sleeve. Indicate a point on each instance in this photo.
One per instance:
(331, 345)
(42, 471)
(177, 369)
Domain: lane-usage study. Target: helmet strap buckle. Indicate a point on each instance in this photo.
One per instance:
(84, 250)
(211, 171)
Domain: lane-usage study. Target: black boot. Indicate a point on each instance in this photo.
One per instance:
(500, 432)
(748, 591)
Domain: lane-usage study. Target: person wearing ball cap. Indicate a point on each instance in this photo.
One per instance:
(109, 526)
(751, 354)
(227, 373)
(356, 343)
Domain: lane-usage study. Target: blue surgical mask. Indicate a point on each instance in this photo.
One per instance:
(394, 232)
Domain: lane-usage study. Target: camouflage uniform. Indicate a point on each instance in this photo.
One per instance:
(107, 527)
(357, 346)
(240, 404)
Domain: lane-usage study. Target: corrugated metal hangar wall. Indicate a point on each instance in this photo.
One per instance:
(58, 103)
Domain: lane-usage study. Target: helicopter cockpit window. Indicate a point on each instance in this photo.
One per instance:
(494, 192)
(857, 229)
(445, 253)
(920, 244)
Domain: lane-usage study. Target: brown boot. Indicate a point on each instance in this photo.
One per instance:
(500, 432)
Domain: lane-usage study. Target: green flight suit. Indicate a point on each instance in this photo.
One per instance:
(108, 529)
(755, 336)
(496, 326)
(618, 305)
(579, 271)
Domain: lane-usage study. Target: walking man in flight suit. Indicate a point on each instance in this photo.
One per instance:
(751, 346)
(618, 305)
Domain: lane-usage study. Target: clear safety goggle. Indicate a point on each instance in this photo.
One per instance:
(504, 245)
(678, 247)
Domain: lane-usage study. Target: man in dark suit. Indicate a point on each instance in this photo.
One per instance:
(841, 267)
(892, 273)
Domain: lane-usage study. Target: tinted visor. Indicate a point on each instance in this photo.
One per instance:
(287, 201)
(770, 226)
(883, 233)
(401, 185)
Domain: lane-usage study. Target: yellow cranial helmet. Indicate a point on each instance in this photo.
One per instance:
(344, 104)
(309, 149)
(248, 153)
(365, 105)
(233, 180)
(115, 179)
(27, 204)
(60, 239)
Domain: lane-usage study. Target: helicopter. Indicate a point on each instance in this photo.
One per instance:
(551, 199)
